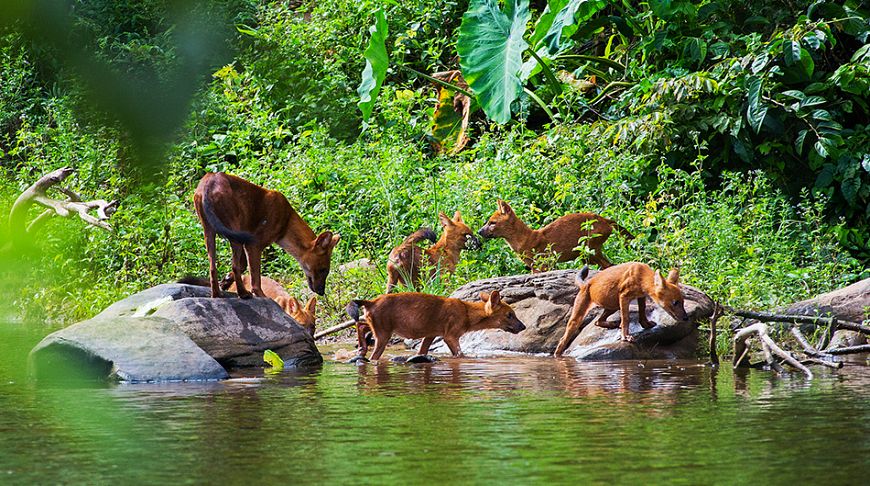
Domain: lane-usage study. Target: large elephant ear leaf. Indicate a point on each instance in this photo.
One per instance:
(377, 62)
(560, 20)
(490, 47)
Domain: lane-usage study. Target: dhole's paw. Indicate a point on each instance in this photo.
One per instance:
(647, 324)
(246, 295)
(607, 324)
(627, 338)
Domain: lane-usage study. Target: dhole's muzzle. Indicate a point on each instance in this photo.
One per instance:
(514, 326)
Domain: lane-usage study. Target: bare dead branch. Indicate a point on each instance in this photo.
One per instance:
(864, 348)
(830, 364)
(769, 345)
(334, 329)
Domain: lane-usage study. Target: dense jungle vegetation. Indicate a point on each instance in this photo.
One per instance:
(732, 137)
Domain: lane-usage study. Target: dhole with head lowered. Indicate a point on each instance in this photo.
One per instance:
(414, 315)
(251, 218)
(304, 315)
(614, 288)
(403, 264)
(560, 237)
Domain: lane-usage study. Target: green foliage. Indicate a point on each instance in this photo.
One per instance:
(377, 63)
(490, 48)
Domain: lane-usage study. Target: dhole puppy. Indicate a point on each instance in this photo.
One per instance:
(614, 288)
(560, 237)
(414, 315)
(403, 264)
(304, 315)
(251, 218)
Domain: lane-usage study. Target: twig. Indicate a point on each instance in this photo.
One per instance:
(334, 329)
(808, 348)
(717, 311)
(768, 344)
(830, 364)
(864, 348)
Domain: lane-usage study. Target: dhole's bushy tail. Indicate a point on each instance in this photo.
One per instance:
(219, 226)
(622, 231)
(353, 307)
(582, 275)
(424, 233)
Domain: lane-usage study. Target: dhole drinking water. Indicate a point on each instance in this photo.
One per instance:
(251, 218)
(414, 316)
(559, 237)
(403, 264)
(614, 288)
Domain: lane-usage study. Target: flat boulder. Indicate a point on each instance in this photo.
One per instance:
(175, 332)
(543, 301)
(849, 303)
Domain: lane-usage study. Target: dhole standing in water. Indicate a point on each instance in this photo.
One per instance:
(413, 315)
(403, 264)
(614, 288)
(252, 218)
(304, 315)
(559, 237)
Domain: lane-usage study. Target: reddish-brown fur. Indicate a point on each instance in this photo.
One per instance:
(405, 260)
(252, 218)
(415, 316)
(614, 288)
(559, 237)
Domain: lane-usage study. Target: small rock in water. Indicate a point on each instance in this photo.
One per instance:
(358, 360)
(344, 354)
(421, 358)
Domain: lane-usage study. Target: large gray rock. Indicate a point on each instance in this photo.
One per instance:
(175, 332)
(139, 349)
(543, 301)
(848, 304)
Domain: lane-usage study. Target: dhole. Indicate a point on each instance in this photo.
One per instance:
(414, 315)
(405, 260)
(561, 236)
(304, 315)
(614, 288)
(252, 218)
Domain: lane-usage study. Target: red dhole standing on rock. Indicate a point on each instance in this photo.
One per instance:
(415, 315)
(251, 218)
(614, 288)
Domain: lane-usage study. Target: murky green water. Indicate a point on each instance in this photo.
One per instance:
(514, 420)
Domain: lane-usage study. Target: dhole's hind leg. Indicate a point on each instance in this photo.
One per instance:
(238, 268)
(381, 341)
(229, 278)
(602, 319)
(641, 314)
(254, 262)
(453, 343)
(600, 260)
(575, 324)
(392, 278)
(212, 263)
(361, 328)
(424, 346)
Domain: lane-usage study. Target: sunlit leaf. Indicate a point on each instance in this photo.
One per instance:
(450, 119)
(273, 360)
(756, 111)
(377, 63)
(490, 47)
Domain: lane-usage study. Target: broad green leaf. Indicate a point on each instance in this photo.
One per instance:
(759, 63)
(794, 94)
(799, 141)
(560, 20)
(490, 47)
(756, 111)
(812, 101)
(821, 147)
(791, 52)
(865, 162)
(694, 50)
(850, 186)
(273, 360)
(377, 63)
(821, 115)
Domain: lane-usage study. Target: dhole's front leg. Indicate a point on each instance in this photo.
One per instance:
(424, 346)
(238, 268)
(453, 343)
(641, 314)
(212, 264)
(624, 322)
(253, 254)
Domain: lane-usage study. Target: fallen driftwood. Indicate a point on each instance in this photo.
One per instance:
(334, 329)
(769, 347)
(37, 194)
(864, 348)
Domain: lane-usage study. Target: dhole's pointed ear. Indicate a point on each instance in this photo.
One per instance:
(484, 296)
(311, 305)
(445, 221)
(658, 281)
(492, 300)
(293, 304)
(326, 240)
(457, 217)
(674, 276)
(504, 207)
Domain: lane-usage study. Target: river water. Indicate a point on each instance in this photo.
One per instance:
(506, 420)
